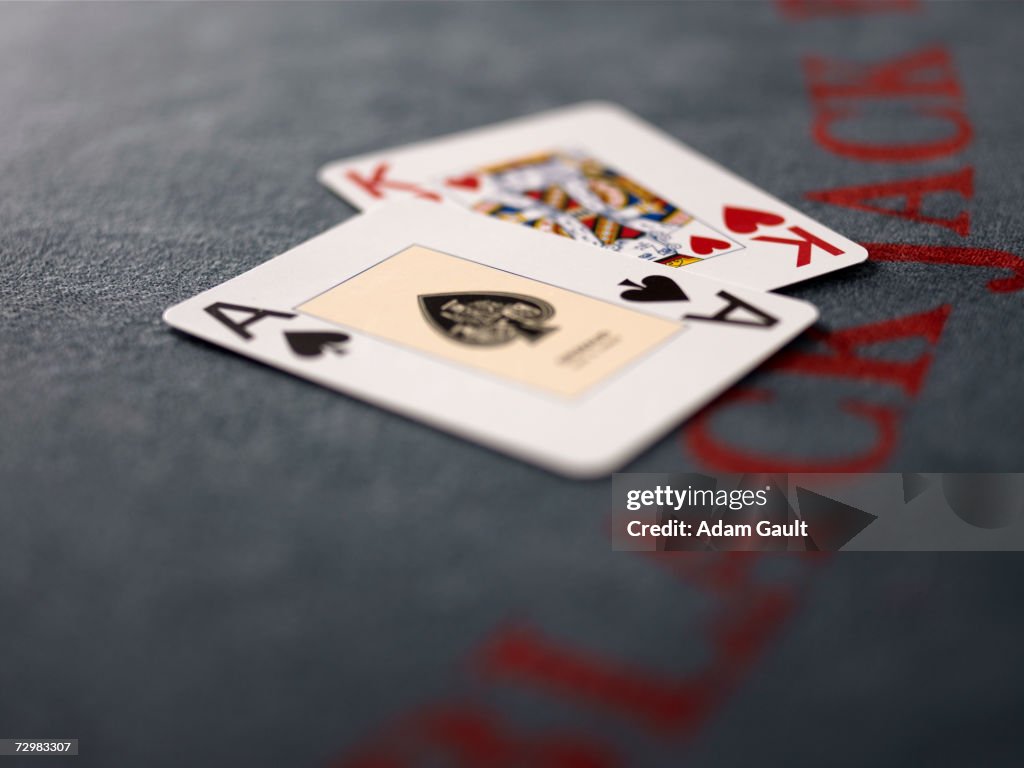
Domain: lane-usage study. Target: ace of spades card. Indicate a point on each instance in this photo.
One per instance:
(597, 174)
(537, 346)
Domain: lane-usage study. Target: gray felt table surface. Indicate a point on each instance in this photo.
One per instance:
(201, 553)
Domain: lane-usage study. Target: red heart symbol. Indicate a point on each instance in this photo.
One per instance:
(745, 221)
(469, 181)
(702, 246)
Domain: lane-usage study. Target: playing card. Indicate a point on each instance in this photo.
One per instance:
(597, 174)
(535, 345)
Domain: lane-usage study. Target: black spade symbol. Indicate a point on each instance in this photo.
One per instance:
(656, 288)
(487, 319)
(314, 343)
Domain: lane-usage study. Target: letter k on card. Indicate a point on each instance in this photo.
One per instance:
(378, 184)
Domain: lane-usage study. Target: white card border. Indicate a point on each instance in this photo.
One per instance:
(584, 437)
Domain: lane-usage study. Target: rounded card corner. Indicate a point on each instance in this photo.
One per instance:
(323, 173)
(811, 313)
(169, 314)
(597, 465)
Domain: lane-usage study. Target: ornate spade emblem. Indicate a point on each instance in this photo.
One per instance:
(487, 319)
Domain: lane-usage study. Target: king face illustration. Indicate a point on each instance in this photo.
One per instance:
(571, 194)
(487, 319)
